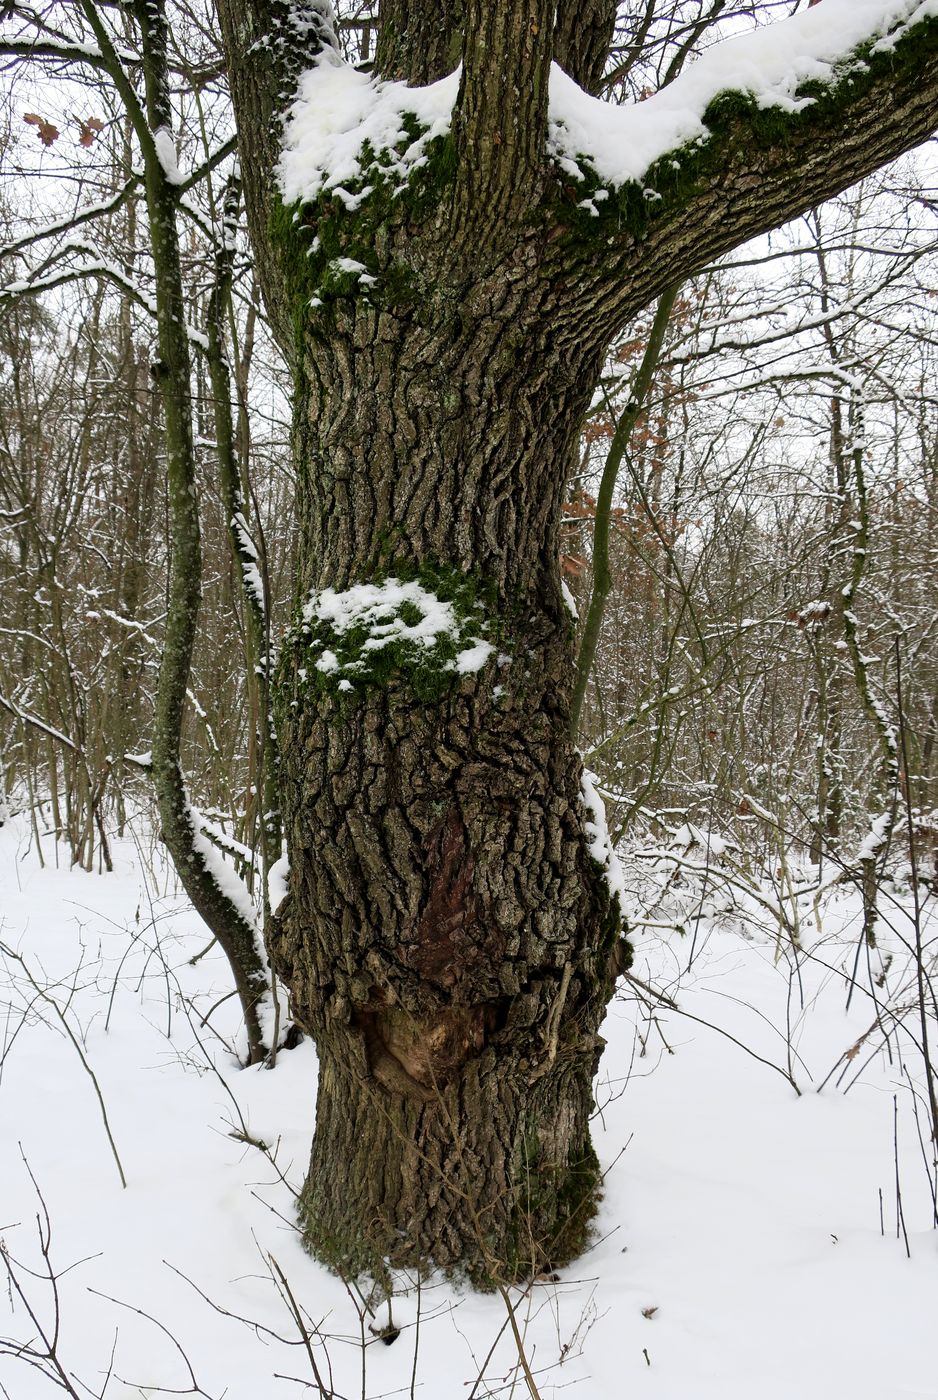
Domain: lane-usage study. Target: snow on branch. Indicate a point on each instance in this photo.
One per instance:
(599, 841)
(71, 221)
(339, 111)
(205, 842)
(93, 266)
(769, 64)
(346, 126)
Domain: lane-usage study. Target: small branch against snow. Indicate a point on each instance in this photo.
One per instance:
(214, 160)
(93, 265)
(43, 994)
(57, 49)
(26, 718)
(72, 221)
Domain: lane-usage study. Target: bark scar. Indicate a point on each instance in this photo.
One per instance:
(418, 1055)
(451, 940)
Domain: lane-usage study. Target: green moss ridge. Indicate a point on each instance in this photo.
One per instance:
(311, 237)
(338, 662)
(552, 1219)
(734, 118)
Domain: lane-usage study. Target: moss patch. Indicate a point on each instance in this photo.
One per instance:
(552, 1222)
(425, 628)
(312, 239)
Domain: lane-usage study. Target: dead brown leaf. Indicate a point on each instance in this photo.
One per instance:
(88, 130)
(46, 132)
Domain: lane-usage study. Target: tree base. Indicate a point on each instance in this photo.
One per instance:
(492, 1177)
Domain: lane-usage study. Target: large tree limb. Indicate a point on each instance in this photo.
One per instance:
(583, 34)
(758, 168)
(500, 121)
(419, 42)
(268, 43)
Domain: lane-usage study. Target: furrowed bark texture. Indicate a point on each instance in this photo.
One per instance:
(583, 35)
(447, 938)
(418, 42)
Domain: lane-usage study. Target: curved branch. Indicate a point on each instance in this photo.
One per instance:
(602, 574)
(215, 891)
(755, 166)
(81, 216)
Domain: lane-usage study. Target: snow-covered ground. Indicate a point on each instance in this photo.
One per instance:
(747, 1243)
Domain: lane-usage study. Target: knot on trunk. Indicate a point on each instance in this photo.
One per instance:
(417, 1056)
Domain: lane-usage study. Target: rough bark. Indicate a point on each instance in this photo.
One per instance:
(447, 938)
(583, 35)
(419, 43)
(268, 44)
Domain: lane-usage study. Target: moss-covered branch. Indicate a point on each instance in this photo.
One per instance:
(758, 167)
(231, 925)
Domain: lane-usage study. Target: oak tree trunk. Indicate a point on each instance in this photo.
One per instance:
(448, 933)
(448, 936)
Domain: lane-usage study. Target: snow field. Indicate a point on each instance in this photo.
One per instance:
(744, 1220)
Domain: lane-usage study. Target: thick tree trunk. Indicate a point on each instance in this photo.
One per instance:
(448, 934)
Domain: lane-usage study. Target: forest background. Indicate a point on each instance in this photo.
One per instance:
(761, 709)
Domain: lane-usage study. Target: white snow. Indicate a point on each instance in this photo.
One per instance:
(744, 1219)
(278, 882)
(166, 155)
(597, 835)
(338, 110)
(621, 143)
(353, 268)
(377, 608)
(472, 658)
(876, 837)
(328, 662)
